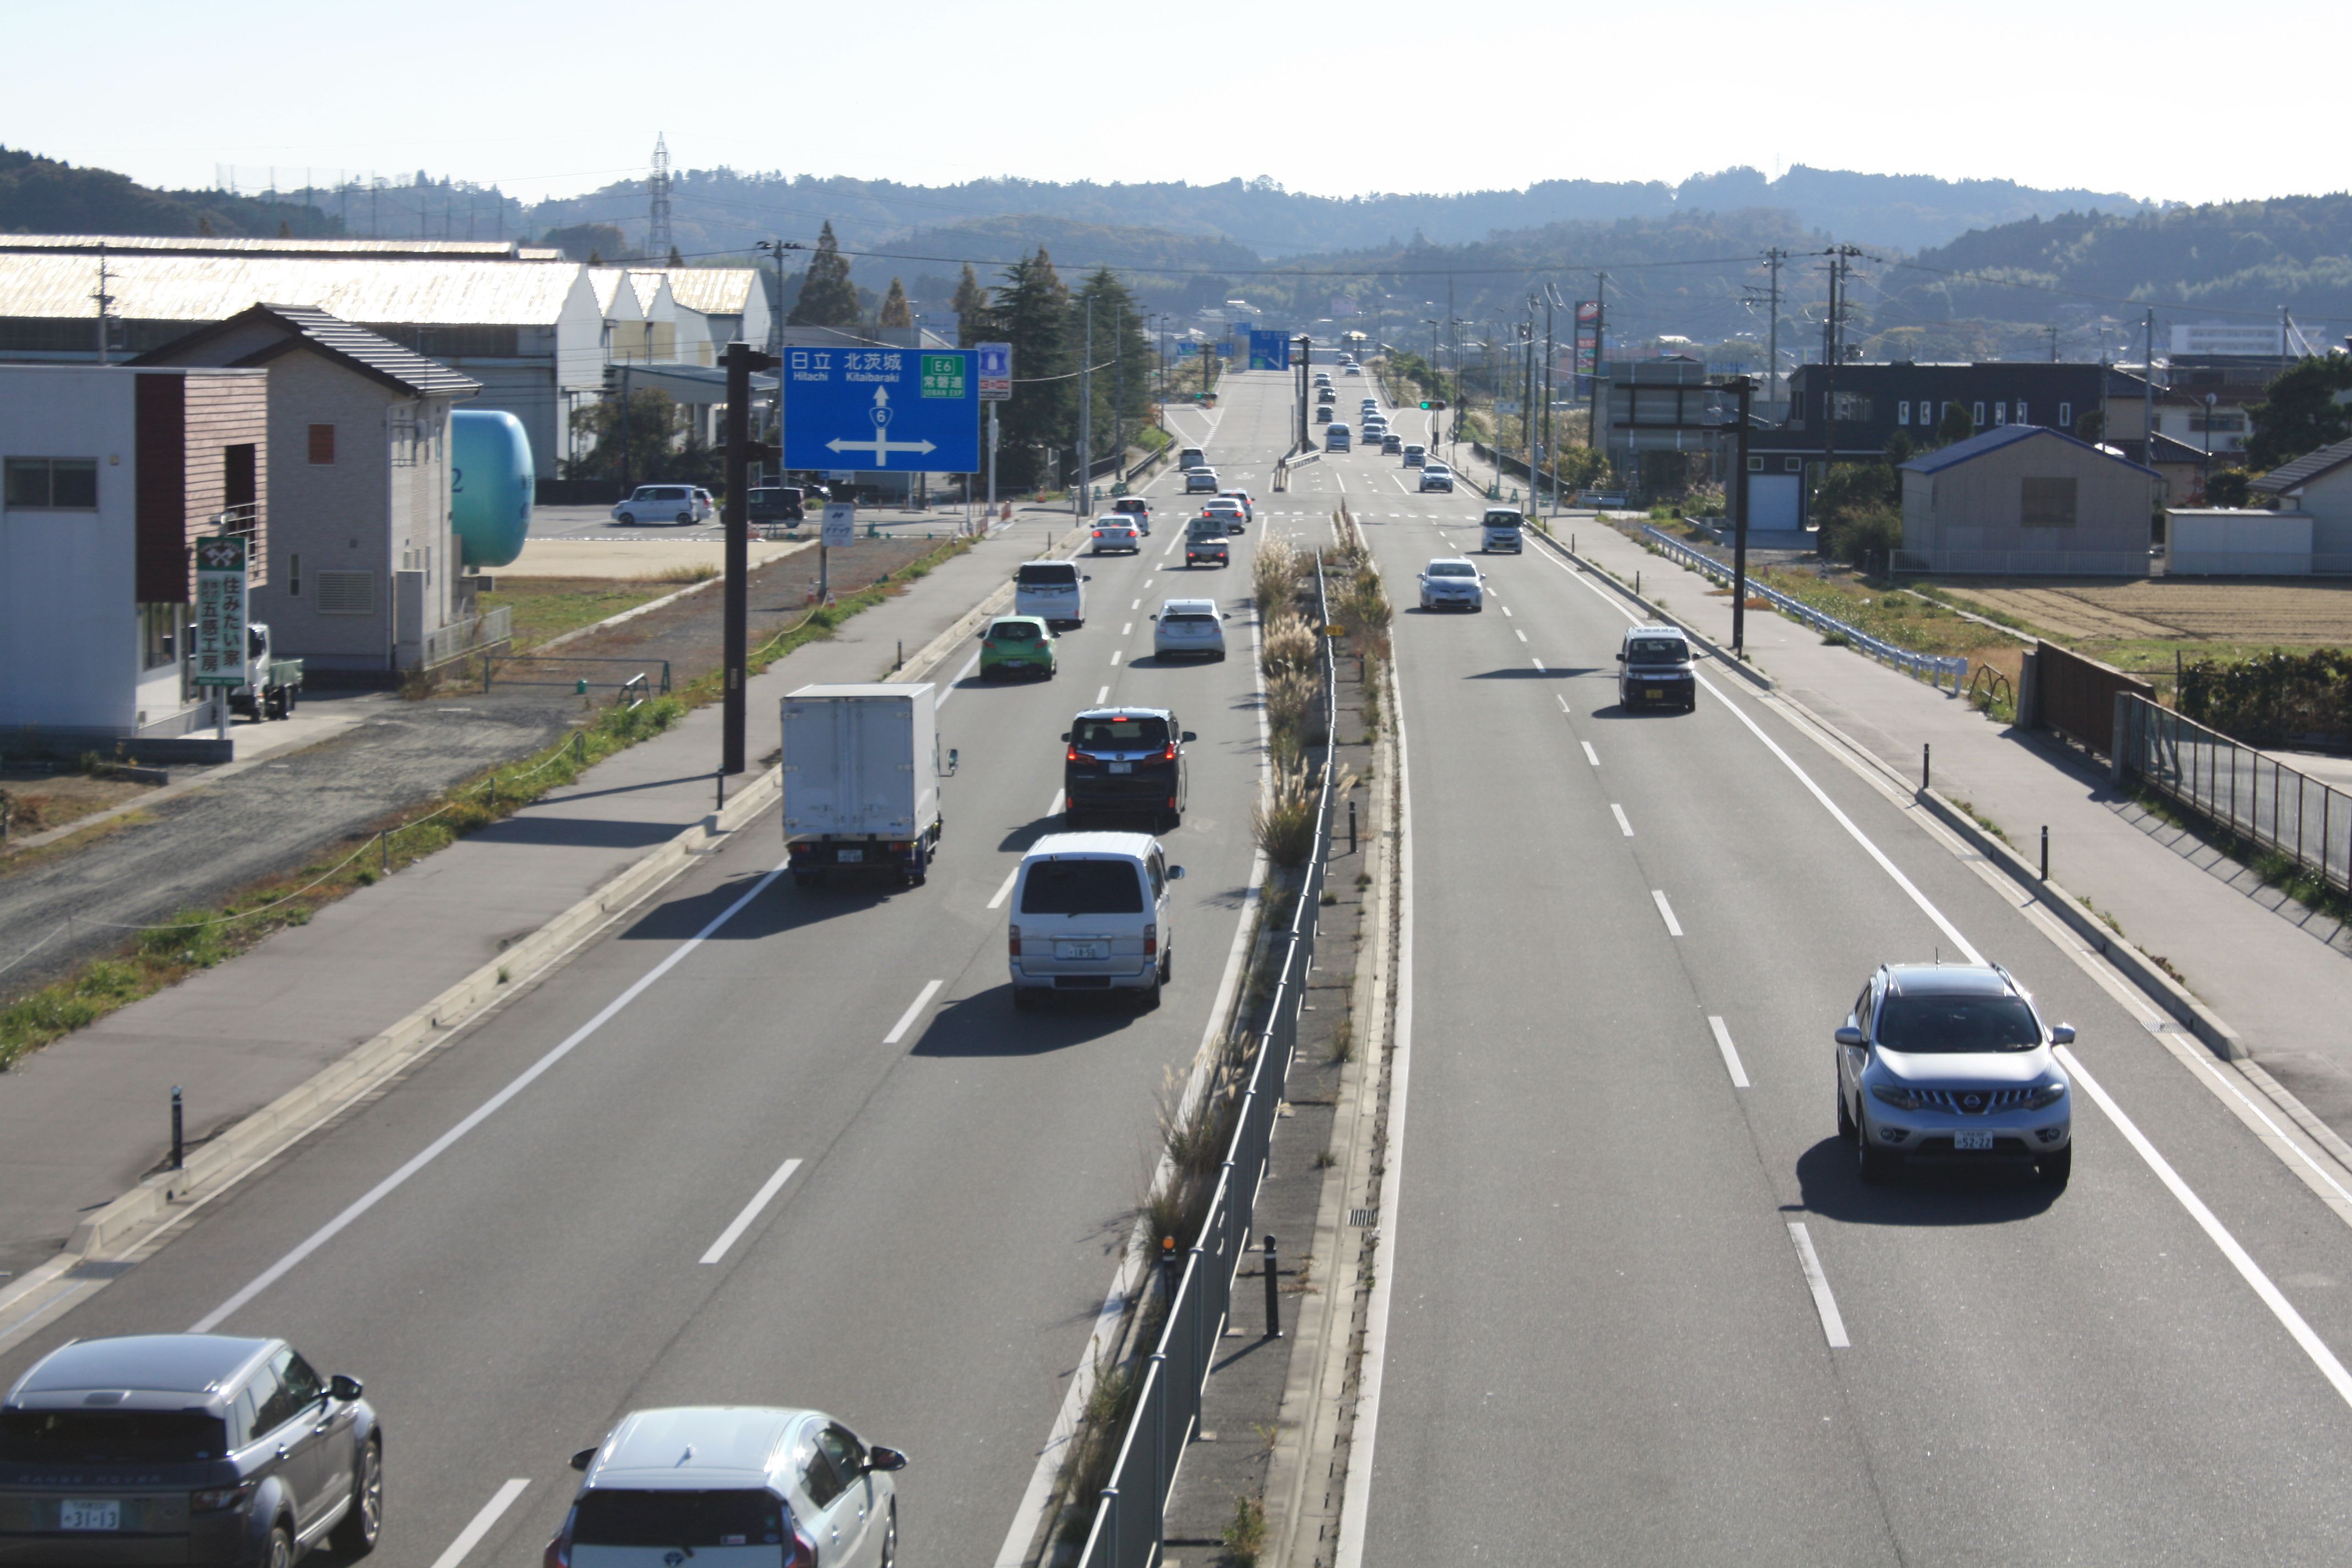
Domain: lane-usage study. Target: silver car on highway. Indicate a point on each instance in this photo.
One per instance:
(1450, 583)
(733, 1485)
(1951, 1065)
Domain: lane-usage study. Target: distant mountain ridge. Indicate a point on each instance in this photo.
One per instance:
(43, 196)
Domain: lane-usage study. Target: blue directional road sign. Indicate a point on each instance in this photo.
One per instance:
(913, 410)
(1268, 350)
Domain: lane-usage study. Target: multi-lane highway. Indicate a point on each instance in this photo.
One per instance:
(762, 1146)
(560, 1216)
(1642, 1309)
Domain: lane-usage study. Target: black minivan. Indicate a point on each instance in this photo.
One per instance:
(1125, 760)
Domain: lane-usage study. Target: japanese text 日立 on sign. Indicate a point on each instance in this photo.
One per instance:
(221, 581)
(911, 410)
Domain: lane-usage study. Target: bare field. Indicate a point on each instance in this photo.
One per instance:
(2275, 612)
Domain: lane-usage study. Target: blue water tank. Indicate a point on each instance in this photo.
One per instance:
(491, 485)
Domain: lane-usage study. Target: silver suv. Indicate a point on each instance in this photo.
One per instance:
(738, 1484)
(152, 1448)
(1951, 1065)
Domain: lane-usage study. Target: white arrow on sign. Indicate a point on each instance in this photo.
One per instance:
(881, 446)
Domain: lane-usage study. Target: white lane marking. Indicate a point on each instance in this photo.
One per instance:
(1619, 812)
(1506, 609)
(1127, 630)
(1355, 1501)
(914, 1011)
(1832, 1325)
(1401, 485)
(1540, 667)
(1563, 707)
(481, 1113)
(1730, 1053)
(479, 1525)
(1589, 755)
(1114, 658)
(956, 680)
(1102, 697)
(1519, 634)
(2239, 1260)
(1666, 913)
(1053, 810)
(1136, 606)
(760, 1200)
(1147, 582)
(1342, 480)
(1005, 891)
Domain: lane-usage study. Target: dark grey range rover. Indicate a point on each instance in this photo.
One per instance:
(186, 1448)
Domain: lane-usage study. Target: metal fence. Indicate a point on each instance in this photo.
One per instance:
(469, 637)
(2247, 791)
(2076, 695)
(1131, 1514)
(1933, 669)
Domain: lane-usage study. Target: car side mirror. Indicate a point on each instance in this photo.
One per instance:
(1086, 576)
(1188, 737)
(1175, 873)
(880, 1458)
(345, 1389)
(2062, 1034)
(1065, 734)
(1621, 658)
(1849, 1036)
(583, 1458)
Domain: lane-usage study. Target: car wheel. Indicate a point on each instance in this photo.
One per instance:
(629, 519)
(1148, 999)
(277, 1552)
(355, 1535)
(1168, 966)
(2055, 1168)
(1846, 1128)
(890, 1538)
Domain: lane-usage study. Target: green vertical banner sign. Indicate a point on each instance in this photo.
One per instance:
(221, 583)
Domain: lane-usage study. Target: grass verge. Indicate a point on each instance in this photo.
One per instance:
(196, 938)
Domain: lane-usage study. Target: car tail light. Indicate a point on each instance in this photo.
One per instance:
(1152, 941)
(1097, 534)
(213, 1500)
(1013, 941)
(1168, 755)
(1077, 755)
(559, 1551)
(804, 1553)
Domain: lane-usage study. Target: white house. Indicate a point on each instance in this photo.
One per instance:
(364, 573)
(2320, 484)
(110, 475)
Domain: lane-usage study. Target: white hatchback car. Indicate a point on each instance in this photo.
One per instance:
(735, 1483)
(1450, 583)
(1090, 912)
(664, 504)
(1116, 533)
(1189, 627)
(1053, 591)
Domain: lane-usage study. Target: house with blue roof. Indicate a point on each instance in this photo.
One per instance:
(2029, 500)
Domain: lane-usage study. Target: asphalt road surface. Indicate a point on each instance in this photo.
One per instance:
(556, 1219)
(1643, 1310)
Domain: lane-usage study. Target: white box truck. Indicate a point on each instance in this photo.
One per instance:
(861, 777)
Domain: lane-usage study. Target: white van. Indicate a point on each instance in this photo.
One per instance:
(1090, 912)
(1501, 530)
(1336, 438)
(1053, 591)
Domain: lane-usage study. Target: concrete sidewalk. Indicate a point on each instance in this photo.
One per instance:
(2279, 974)
(83, 1119)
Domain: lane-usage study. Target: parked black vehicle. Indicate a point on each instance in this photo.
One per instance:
(779, 503)
(196, 1448)
(1126, 759)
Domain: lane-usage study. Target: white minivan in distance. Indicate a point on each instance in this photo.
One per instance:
(1090, 912)
(1053, 591)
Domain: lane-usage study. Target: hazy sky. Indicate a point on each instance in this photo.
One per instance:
(1338, 98)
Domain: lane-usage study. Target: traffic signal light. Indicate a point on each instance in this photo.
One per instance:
(1424, 404)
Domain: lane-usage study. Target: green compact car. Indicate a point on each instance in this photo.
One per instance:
(1017, 645)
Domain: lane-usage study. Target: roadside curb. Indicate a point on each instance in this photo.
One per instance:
(1746, 672)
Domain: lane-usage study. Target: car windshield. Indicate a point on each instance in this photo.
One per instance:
(1939, 1025)
(110, 1436)
(1013, 631)
(1657, 650)
(1452, 569)
(1144, 733)
(676, 1518)
(1047, 574)
(1082, 888)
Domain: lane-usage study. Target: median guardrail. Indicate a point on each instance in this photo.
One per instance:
(1131, 1515)
(1935, 669)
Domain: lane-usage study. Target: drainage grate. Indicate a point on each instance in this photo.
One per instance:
(1362, 1218)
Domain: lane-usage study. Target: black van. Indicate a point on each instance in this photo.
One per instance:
(778, 503)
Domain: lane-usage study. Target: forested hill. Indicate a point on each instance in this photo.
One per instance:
(42, 195)
(2235, 255)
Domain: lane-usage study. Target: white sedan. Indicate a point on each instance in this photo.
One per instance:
(1189, 629)
(1450, 583)
(1115, 532)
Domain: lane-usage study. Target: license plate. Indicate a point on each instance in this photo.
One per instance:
(1653, 693)
(1122, 767)
(1082, 950)
(1971, 1139)
(82, 1513)
(851, 856)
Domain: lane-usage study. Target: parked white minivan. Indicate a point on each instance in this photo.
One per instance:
(1090, 912)
(1053, 591)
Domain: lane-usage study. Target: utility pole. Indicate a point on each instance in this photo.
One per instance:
(1086, 487)
(1527, 394)
(1773, 256)
(2054, 344)
(2148, 393)
(1739, 537)
(1599, 338)
(1551, 439)
(1832, 350)
(742, 358)
(104, 300)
